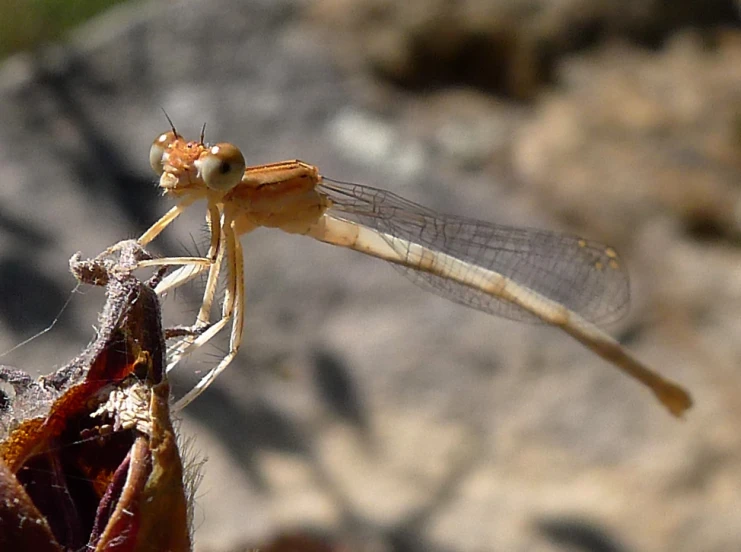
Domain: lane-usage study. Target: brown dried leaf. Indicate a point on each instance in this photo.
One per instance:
(90, 457)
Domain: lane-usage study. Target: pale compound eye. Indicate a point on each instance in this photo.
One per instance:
(159, 149)
(222, 167)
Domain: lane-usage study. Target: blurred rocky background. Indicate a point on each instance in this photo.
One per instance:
(362, 411)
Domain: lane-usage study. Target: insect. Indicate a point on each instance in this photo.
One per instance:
(519, 273)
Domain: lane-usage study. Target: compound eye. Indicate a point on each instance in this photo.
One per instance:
(159, 149)
(222, 167)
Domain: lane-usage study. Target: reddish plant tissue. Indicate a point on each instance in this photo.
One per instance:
(88, 457)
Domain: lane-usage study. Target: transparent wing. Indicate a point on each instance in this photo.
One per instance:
(585, 276)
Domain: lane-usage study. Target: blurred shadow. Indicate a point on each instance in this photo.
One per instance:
(62, 84)
(97, 165)
(21, 231)
(247, 428)
(35, 298)
(337, 389)
(406, 534)
(579, 534)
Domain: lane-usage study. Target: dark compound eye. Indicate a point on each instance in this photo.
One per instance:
(222, 167)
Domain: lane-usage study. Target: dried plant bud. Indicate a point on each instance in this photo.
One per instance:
(89, 459)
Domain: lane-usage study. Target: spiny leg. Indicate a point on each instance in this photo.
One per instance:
(164, 221)
(214, 225)
(176, 353)
(216, 256)
(187, 273)
(193, 267)
(216, 253)
(174, 261)
(180, 277)
(233, 310)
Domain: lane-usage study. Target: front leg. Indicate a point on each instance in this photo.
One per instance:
(203, 320)
(233, 311)
(157, 228)
(193, 265)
